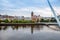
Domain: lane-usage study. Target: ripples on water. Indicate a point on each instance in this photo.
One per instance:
(29, 33)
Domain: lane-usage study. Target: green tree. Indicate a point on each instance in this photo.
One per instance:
(0, 21)
(6, 21)
(53, 20)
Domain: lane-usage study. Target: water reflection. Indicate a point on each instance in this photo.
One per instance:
(36, 27)
(33, 32)
(3, 28)
(15, 27)
(55, 27)
(18, 27)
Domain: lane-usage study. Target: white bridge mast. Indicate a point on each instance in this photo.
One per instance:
(54, 13)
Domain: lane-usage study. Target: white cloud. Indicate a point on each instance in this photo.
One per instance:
(45, 12)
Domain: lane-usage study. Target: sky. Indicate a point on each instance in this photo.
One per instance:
(25, 7)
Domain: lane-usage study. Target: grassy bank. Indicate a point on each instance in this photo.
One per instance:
(25, 21)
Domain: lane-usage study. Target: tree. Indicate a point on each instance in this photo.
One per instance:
(6, 21)
(0, 20)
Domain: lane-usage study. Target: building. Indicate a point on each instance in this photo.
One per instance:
(3, 17)
(38, 18)
(35, 18)
(27, 18)
(23, 18)
(32, 14)
(47, 18)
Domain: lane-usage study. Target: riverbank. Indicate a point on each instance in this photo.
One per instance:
(29, 24)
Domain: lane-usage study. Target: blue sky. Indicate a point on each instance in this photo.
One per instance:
(24, 7)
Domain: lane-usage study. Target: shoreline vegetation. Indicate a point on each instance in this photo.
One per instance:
(25, 21)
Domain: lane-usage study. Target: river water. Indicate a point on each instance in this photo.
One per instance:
(29, 32)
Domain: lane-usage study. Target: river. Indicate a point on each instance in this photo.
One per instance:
(29, 32)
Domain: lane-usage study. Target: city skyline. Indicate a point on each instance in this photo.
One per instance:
(25, 7)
